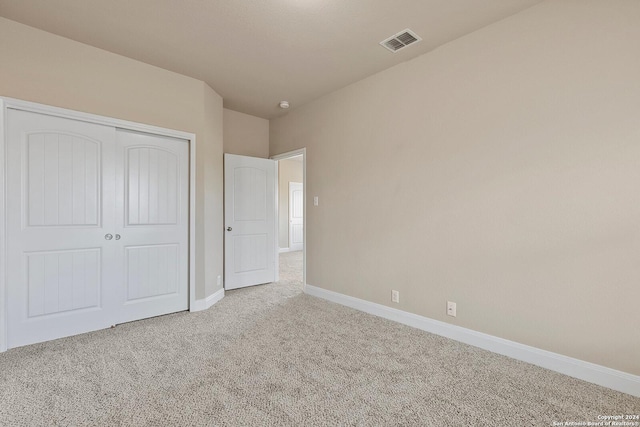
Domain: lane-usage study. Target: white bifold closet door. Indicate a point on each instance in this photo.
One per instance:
(152, 182)
(96, 226)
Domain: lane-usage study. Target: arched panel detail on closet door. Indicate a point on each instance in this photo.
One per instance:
(152, 194)
(61, 179)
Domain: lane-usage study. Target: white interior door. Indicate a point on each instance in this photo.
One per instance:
(152, 193)
(296, 206)
(60, 206)
(250, 220)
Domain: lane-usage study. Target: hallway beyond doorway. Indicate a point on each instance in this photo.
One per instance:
(291, 268)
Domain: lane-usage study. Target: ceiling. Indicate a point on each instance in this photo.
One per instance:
(255, 53)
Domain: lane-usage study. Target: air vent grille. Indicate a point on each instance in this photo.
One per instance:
(400, 40)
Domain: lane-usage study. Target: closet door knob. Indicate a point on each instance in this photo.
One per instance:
(108, 236)
(229, 228)
(117, 237)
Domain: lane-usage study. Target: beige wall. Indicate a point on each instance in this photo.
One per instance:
(41, 67)
(245, 135)
(500, 171)
(213, 191)
(288, 171)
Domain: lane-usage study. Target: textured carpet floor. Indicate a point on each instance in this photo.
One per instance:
(270, 355)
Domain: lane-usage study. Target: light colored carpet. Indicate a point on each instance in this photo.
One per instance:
(270, 355)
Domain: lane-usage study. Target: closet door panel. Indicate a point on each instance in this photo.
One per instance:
(60, 206)
(154, 189)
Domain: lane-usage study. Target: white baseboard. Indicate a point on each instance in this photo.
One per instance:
(597, 374)
(203, 304)
(282, 250)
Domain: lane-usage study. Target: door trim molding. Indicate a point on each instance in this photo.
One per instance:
(576, 368)
(3, 234)
(10, 103)
(284, 156)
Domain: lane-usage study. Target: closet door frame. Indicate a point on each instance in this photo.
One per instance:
(10, 103)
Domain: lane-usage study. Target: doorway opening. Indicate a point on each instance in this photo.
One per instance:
(291, 218)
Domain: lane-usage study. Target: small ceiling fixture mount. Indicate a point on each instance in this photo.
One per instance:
(284, 104)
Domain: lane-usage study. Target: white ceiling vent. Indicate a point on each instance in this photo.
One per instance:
(400, 40)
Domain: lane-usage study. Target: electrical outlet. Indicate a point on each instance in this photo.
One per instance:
(395, 296)
(316, 200)
(451, 308)
(219, 280)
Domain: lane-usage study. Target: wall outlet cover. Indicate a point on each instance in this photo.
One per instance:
(451, 308)
(395, 296)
